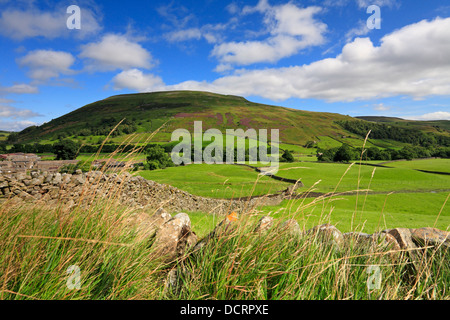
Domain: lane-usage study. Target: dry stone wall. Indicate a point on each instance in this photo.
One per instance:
(135, 191)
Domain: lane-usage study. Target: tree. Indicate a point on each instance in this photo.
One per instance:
(408, 153)
(65, 150)
(343, 154)
(12, 137)
(287, 156)
(17, 147)
(157, 158)
(373, 153)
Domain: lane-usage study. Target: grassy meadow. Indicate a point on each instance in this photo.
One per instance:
(437, 165)
(40, 243)
(216, 181)
(387, 197)
(344, 177)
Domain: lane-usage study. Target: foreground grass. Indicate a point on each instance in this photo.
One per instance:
(241, 265)
(40, 244)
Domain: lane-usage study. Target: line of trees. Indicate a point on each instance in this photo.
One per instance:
(158, 156)
(50, 148)
(396, 133)
(346, 153)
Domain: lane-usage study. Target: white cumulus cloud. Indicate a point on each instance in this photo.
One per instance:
(381, 107)
(20, 88)
(16, 126)
(439, 115)
(47, 64)
(135, 79)
(114, 52)
(32, 22)
(15, 113)
(413, 61)
(290, 28)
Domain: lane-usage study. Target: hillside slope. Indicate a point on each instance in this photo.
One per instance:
(167, 111)
(434, 126)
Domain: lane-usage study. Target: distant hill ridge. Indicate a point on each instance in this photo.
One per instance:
(145, 113)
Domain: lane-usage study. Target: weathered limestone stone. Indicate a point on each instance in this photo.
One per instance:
(48, 178)
(264, 224)
(191, 240)
(66, 178)
(4, 184)
(292, 227)
(147, 224)
(403, 237)
(171, 281)
(431, 236)
(25, 196)
(57, 179)
(78, 179)
(171, 238)
(53, 192)
(20, 176)
(386, 240)
(34, 174)
(327, 233)
(38, 180)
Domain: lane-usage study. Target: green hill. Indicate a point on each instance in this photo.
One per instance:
(156, 115)
(167, 111)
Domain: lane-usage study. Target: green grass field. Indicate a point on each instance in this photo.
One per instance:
(216, 181)
(398, 197)
(3, 135)
(119, 157)
(226, 181)
(344, 177)
(438, 165)
(368, 213)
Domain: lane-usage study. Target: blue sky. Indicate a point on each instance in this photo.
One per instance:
(310, 55)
